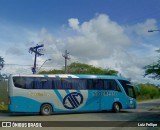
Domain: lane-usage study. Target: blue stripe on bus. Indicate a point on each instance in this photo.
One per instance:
(78, 91)
(18, 105)
(58, 95)
(67, 91)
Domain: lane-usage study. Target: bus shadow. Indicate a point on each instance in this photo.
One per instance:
(64, 113)
(19, 114)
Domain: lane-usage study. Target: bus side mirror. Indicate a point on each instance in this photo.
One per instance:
(136, 87)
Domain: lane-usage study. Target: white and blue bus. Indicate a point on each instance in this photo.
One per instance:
(69, 93)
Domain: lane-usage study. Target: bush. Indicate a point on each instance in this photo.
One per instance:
(148, 91)
(3, 96)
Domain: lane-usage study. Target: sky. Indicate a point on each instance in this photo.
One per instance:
(110, 34)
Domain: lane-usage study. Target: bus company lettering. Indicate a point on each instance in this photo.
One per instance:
(39, 94)
(104, 93)
(72, 100)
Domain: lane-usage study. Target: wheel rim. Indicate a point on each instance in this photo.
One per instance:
(117, 107)
(46, 110)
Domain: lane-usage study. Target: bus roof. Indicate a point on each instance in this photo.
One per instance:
(100, 76)
(90, 76)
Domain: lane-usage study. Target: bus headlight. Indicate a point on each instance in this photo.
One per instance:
(131, 102)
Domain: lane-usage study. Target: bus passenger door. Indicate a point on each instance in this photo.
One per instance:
(111, 93)
(94, 94)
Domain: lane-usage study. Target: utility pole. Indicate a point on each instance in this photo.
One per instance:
(37, 52)
(66, 57)
(1, 62)
(1, 66)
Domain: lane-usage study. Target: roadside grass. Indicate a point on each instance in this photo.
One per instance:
(148, 92)
(3, 96)
(143, 100)
(4, 109)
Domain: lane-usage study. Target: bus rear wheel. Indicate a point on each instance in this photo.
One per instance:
(116, 107)
(46, 109)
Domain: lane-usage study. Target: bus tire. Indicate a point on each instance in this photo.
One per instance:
(116, 107)
(46, 109)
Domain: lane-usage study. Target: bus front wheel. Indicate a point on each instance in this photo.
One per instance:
(116, 107)
(46, 109)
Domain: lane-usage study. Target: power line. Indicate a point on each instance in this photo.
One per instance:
(18, 65)
(47, 66)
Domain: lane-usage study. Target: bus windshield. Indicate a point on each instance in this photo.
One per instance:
(128, 88)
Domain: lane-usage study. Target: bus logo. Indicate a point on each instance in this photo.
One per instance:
(73, 100)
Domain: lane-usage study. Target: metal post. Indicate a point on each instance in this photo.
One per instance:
(66, 57)
(35, 61)
(43, 64)
(36, 50)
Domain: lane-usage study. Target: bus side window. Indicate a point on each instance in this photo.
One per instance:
(106, 84)
(29, 83)
(45, 83)
(74, 84)
(38, 84)
(49, 84)
(82, 84)
(90, 84)
(79, 84)
(98, 84)
(66, 83)
(58, 83)
(53, 84)
(114, 85)
(19, 82)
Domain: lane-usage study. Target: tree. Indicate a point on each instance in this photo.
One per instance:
(80, 68)
(153, 70)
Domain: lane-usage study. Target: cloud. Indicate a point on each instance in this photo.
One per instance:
(141, 29)
(99, 41)
(127, 64)
(14, 69)
(74, 23)
(98, 38)
(53, 48)
(104, 43)
(14, 51)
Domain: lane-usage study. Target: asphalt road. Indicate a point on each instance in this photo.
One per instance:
(146, 111)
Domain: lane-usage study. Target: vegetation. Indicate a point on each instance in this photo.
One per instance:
(80, 68)
(153, 70)
(3, 96)
(148, 91)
